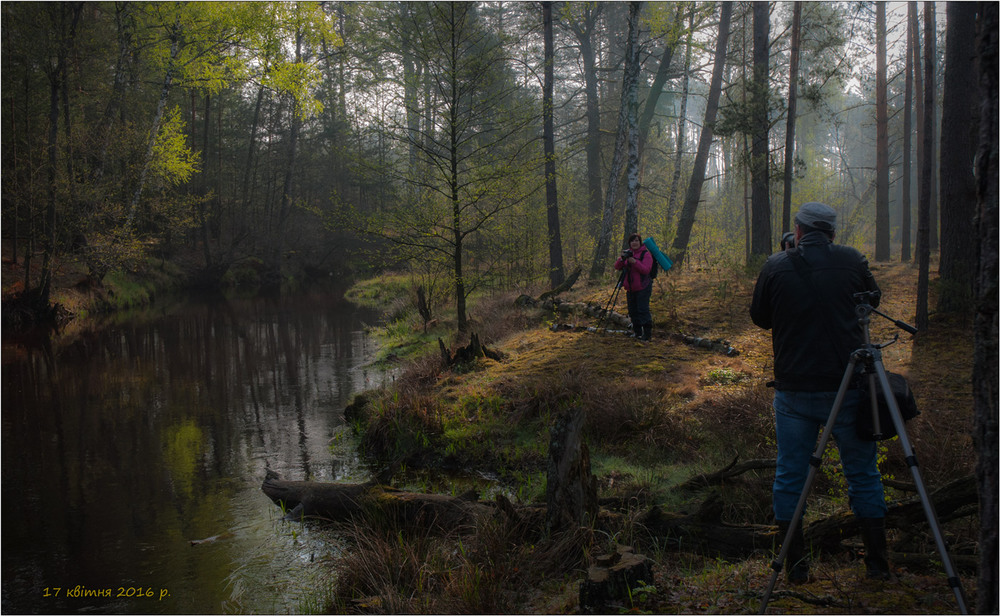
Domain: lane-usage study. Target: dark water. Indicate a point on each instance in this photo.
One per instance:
(125, 446)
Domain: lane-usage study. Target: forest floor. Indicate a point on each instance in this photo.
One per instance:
(657, 414)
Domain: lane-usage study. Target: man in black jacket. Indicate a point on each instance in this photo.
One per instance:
(806, 297)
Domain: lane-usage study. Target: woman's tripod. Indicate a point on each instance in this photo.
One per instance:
(870, 358)
(614, 296)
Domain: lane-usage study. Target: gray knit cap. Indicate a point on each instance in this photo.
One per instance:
(816, 215)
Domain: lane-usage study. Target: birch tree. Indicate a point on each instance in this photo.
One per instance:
(629, 83)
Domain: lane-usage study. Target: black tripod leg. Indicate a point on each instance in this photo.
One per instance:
(613, 300)
(873, 405)
(814, 463)
(929, 512)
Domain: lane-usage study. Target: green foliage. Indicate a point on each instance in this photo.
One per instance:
(173, 162)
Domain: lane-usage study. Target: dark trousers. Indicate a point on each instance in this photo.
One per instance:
(638, 306)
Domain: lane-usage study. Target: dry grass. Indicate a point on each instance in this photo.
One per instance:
(391, 569)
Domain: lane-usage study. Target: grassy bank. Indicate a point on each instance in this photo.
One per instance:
(656, 414)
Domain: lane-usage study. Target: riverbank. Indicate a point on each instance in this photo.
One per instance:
(657, 414)
(77, 300)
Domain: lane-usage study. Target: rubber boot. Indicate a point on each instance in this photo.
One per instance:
(647, 332)
(637, 331)
(796, 563)
(876, 552)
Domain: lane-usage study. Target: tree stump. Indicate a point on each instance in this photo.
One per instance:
(570, 491)
(612, 578)
(463, 355)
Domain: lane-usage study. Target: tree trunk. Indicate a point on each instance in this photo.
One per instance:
(556, 272)
(41, 299)
(632, 66)
(203, 202)
(907, 180)
(411, 94)
(251, 148)
(154, 131)
(681, 120)
(125, 25)
(598, 265)
(656, 88)
(456, 204)
(959, 133)
(881, 140)
(66, 16)
(985, 365)
(760, 149)
(923, 208)
(913, 12)
(273, 273)
(693, 195)
(793, 84)
(570, 489)
(652, 100)
(584, 33)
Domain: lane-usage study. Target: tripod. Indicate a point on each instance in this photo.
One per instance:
(614, 296)
(870, 357)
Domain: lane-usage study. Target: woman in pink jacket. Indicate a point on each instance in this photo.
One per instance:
(637, 261)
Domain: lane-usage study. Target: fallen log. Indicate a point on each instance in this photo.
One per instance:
(702, 531)
(950, 501)
(732, 470)
(565, 286)
(595, 311)
(718, 345)
(345, 501)
(575, 308)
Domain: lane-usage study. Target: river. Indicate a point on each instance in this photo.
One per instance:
(133, 457)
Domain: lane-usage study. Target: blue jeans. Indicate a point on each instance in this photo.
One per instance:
(799, 416)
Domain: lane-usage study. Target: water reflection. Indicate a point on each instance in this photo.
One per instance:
(122, 447)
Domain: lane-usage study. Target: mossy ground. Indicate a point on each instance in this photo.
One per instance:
(657, 413)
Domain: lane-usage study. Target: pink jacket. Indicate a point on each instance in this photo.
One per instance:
(638, 274)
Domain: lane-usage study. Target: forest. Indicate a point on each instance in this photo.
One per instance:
(483, 147)
(487, 145)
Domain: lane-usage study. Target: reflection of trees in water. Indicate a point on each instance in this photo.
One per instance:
(133, 440)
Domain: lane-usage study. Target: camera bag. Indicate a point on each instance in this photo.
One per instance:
(900, 391)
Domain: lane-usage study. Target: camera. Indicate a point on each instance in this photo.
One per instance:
(626, 253)
(787, 240)
(867, 297)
